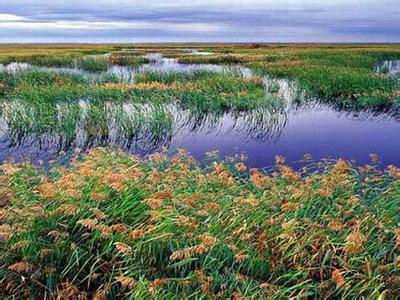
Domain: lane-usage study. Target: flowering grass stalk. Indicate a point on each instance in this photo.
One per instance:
(116, 226)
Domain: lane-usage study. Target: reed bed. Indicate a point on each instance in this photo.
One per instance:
(93, 64)
(116, 226)
(127, 59)
(343, 75)
(212, 59)
(200, 90)
(50, 55)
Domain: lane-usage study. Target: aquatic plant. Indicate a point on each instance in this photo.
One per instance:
(122, 59)
(116, 226)
(341, 74)
(42, 60)
(93, 64)
(212, 59)
(198, 89)
(88, 124)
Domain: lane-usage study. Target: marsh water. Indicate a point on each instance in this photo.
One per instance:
(391, 67)
(285, 127)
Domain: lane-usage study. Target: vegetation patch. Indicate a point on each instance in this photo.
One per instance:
(343, 75)
(118, 226)
(93, 64)
(203, 90)
(126, 59)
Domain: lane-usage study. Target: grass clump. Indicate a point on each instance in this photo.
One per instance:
(50, 52)
(202, 90)
(93, 64)
(121, 227)
(121, 59)
(206, 90)
(223, 92)
(343, 76)
(92, 120)
(211, 59)
(42, 60)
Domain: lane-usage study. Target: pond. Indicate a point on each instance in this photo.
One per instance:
(260, 134)
(283, 128)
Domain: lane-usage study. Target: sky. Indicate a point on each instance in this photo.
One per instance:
(113, 21)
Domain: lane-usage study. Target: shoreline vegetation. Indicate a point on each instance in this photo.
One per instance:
(114, 225)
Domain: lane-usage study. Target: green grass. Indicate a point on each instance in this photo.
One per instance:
(203, 90)
(339, 74)
(93, 64)
(210, 59)
(165, 228)
(342, 75)
(146, 126)
(42, 60)
(149, 125)
(127, 59)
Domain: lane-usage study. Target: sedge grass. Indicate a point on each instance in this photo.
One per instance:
(115, 226)
(204, 90)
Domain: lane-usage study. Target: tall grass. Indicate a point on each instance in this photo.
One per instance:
(204, 90)
(116, 226)
(341, 74)
(128, 59)
(42, 60)
(211, 59)
(93, 64)
(345, 77)
(87, 124)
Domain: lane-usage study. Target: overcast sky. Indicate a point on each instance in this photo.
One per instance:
(201, 21)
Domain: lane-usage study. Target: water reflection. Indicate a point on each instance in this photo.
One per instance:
(391, 67)
(262, 133)
(35, 129)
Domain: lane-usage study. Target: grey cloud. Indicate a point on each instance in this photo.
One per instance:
(166, 21)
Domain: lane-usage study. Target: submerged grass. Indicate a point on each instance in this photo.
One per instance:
(87, 122)
(115, 226)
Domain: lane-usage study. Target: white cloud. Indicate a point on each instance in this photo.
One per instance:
(10, 18)
(102, 25)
